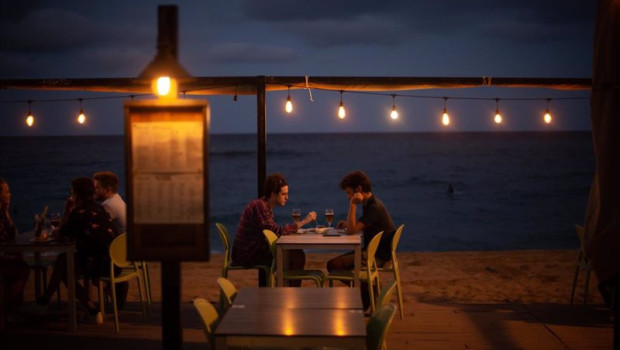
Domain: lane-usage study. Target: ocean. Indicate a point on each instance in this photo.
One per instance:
(512, 190)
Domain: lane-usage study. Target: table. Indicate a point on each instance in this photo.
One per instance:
(319, 241)
(22, 244)
(291, 322)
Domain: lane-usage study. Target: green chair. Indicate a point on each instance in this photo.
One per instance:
(378, 325)
(581, 263)
(228, 292)
(369, 272)
(393, 268)
(209, 317)
(129, 271)
(313, 275)
(225, 238)
(385, 296)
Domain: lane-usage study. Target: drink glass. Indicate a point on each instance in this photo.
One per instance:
(55, 220)
(329, 216)
(296, 213)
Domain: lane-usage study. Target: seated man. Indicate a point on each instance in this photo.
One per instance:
(13, 270)
(375, 218)
(250, 246)
(90, 226)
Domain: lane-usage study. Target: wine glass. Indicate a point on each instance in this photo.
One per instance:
(329, 216)
(296, 213)
(55, 220)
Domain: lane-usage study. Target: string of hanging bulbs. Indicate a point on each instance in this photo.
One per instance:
(341, 112)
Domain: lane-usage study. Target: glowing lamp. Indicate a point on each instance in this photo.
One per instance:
(394, 113)
(445, 118)
(165, 87)
(29, 119)
(498, 118)
(547, 117)
(81, 117)
(341, 112)
(289, 105)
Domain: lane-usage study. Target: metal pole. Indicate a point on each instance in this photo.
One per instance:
(261, 131)
(172, 335)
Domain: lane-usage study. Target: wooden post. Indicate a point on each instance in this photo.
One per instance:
(261, 131)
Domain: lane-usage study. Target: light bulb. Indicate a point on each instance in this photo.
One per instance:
(81, 117)
(394, 113)
(29, 119)
(547, 117)
(341, 112)
(445, 118)
(163, 86)
(498, 118)
(289, 105)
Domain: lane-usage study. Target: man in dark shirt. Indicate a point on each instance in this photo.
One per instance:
(375, 218)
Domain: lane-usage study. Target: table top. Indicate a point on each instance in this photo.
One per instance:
(24, 242)
(318, 239)
(282, 322)
(299, 298)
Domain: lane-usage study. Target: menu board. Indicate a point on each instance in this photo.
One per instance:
(167, 179)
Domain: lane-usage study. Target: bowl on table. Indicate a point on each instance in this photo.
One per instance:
(320, 229)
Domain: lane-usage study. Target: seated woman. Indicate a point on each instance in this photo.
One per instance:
(89, 225)
(13, 270)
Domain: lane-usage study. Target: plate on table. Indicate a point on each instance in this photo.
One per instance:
(332, 234)
(39, 240)
(322, 230)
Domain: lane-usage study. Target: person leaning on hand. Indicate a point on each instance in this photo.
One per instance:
(250, 246)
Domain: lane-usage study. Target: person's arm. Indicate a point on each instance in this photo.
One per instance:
(308, 219)
(354, 226)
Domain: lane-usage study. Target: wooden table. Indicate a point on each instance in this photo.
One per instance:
(291, 322)
(23, 244)
(319, 241)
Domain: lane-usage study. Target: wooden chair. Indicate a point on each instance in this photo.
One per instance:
(209, 317)
(394, 269)
(378, 326)
(313, 275)
(225, 238)
(582, 262)
(368, 274)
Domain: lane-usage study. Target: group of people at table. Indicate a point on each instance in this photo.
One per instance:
(95, 214)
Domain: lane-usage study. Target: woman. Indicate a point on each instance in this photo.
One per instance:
(250, 246)
(89, 225)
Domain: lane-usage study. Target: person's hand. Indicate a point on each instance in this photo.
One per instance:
(310, 217)
(341, 225)
(357, 198)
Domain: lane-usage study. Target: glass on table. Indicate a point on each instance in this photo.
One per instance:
(296, 213)
(329, 216)
(55, 219)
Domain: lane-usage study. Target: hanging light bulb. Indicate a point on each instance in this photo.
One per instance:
(81, 117)
(498, 116)
(289, 103)
(341, 112)
(394, 113)
(547, 116)
(445, 118)
(29, 117)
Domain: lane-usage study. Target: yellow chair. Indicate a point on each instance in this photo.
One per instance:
(385, 296)
(288, 275)
(581, 263)
(228, 292)
(369, 273)
(378, 326)
(129, 271)
(144, 268)
(225, 238)
(393, 268)
(209, 317)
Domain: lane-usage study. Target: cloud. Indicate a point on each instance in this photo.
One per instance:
(250, 53)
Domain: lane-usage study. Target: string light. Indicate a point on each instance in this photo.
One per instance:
(29, 117)
(547, 116)
(341, 112)
(498, 116)
(81, 117)
(394, 113)
(289, 103)
(445, 118)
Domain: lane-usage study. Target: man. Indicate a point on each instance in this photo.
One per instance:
(375, 218)
(106, 191)
(106, 187)
(250, 246)
(13, 270)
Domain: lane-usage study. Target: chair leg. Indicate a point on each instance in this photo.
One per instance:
(147, 286)
(113, 290)
(585, 289)
(572, 293)
(399, 291)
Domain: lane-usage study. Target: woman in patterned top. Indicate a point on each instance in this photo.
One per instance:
(89, 225)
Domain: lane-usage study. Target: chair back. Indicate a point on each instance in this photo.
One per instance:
(271, 238)
(385, 296)
(228, 290)
(378, 325)
(371, 250)
(225, 238)
(209, 317)
(118, 251)
(396, 239)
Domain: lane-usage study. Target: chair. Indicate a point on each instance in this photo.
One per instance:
(581, 263)
(368, 274)
(394, 269)
(378, 325)
(225, 238)
(144, 268)
(228, 292)
(288, 275)
(209, 317)
(129, 271)
(385, 296)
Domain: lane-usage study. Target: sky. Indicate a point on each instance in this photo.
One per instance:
(401, 38)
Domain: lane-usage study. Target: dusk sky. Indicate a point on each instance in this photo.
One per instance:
(401, 38)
